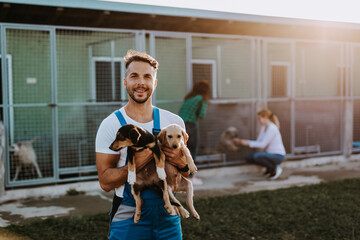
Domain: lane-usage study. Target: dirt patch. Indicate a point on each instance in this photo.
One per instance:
(82, 204)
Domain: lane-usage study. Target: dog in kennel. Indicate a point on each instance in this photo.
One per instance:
(24, 156)
(226, 143)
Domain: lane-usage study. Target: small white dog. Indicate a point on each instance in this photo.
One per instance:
(25, 153)
(226, 143)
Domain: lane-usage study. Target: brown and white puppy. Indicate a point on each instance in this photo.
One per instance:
(175, 137)
(153, 175)
(226, 143)
(25, 154)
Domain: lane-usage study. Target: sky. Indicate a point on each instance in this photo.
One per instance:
(328, 10)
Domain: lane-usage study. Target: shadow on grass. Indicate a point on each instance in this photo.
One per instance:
(323, 211)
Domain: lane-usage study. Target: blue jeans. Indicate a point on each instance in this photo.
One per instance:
(268, 160)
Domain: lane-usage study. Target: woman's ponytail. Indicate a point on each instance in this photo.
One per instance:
(266, 113)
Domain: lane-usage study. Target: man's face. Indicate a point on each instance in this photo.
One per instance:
(140, 81)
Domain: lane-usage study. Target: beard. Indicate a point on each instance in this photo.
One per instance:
(132, 95)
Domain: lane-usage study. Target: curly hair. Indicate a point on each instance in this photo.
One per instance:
(135, 56)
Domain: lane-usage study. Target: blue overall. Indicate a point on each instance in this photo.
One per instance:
(155, 222)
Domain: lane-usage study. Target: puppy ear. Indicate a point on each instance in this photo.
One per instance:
(134, 135)
(185, 136)
(162, 136)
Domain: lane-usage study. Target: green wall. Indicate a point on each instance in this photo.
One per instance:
(171, 55)
(317, 70)
(233, 64)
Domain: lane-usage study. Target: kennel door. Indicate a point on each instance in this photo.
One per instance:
(30, 104)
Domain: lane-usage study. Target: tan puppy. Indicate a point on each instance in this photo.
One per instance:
(175, 137)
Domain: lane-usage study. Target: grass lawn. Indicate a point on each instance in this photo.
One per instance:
(324, 211)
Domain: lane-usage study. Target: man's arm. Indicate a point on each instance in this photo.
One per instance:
(111, 176)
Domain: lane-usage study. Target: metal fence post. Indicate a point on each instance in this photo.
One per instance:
(4, 155)
(348, 127)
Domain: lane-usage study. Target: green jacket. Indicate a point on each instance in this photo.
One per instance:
(193, 109)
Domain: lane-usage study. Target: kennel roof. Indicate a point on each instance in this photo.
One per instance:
(114, 14)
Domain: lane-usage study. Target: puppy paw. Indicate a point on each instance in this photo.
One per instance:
(184, 213)
(161, 173)
(131, 177)
(196, 215)
(192, 168)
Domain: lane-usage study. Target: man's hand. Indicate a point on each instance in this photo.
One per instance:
(176, 158)
(142, 158)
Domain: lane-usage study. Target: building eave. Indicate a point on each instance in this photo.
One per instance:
(182, 12)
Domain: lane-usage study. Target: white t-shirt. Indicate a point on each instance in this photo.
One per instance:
(270, 140)
(110, 125)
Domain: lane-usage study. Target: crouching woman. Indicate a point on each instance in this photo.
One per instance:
(269, 139)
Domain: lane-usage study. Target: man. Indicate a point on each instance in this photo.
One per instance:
(155, 223)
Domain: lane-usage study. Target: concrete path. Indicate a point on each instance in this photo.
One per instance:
(22, 205)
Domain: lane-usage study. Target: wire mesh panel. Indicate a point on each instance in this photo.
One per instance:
(219, 117)
(30, 117)
(31, 155)
(31, 73)
(203, 71)
(231, 57)
(317, 66)
(90, 69)
(78, 126)
(279, 81)
(170, 106)
(171, 55)
(317, 126)
(279, 63)
(90, 65)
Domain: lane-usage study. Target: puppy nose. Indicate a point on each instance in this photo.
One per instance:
(175, 146)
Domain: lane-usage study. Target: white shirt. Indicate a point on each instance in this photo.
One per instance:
(270, 140)
(108, 128)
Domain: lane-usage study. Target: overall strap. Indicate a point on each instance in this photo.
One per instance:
(121, 118)
(116, 200)
(156, 127)
(156, 115)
